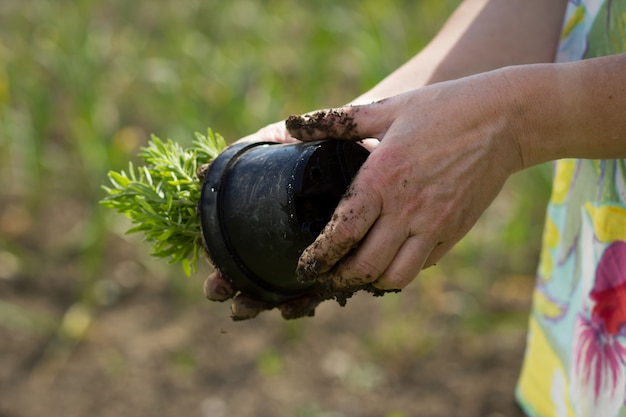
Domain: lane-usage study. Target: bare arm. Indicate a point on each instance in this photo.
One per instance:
(480, 36)
(570, 110)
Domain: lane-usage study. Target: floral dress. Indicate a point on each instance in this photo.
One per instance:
(575, 362)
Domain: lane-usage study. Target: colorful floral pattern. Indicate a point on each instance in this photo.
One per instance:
(575, 363)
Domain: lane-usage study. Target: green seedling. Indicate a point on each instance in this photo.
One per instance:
(161, 196)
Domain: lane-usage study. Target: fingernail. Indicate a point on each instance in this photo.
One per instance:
(217, 289)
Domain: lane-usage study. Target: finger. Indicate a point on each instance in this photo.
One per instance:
(373, 257)
(406, 265)
(216, 288)
(438, 252)
(300, 307)
(351, 220)
(275, 132)
(245, 308)
(346, 123)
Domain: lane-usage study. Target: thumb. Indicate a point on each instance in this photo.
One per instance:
(344, 123)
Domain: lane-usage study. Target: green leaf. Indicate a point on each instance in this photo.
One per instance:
(186, 267)
(160, 197)
(118, 179)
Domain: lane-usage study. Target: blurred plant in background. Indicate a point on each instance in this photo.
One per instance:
(83, 85)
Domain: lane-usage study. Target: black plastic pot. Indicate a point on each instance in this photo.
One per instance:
(263, 203)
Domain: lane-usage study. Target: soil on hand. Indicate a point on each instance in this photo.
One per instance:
(324, 124)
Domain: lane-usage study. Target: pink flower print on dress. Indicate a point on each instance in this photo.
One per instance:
(609, 291)
(598, 374)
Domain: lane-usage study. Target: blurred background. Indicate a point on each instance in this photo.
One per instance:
(91, 325)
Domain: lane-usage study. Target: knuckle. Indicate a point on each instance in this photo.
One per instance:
(397, 280)
(345, 232)
(365, 271)
(217, 289)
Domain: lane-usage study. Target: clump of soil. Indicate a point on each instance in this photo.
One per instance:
(327, 291)
(245, 308)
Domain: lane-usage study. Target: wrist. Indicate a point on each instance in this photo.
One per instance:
(538, 111)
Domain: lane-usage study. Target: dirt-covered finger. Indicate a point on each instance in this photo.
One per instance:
(216, 288)
(351, 221)
(300, 307)
(373, 256)
(345, 123)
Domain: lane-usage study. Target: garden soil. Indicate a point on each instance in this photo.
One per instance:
(137, 340)
(148, 356)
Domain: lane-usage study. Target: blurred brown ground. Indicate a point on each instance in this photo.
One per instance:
(448, 345)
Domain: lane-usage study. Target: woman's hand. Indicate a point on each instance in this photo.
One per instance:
(445, 152)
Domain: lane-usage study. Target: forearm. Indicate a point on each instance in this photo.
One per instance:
(570, 110)
(481, 35)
